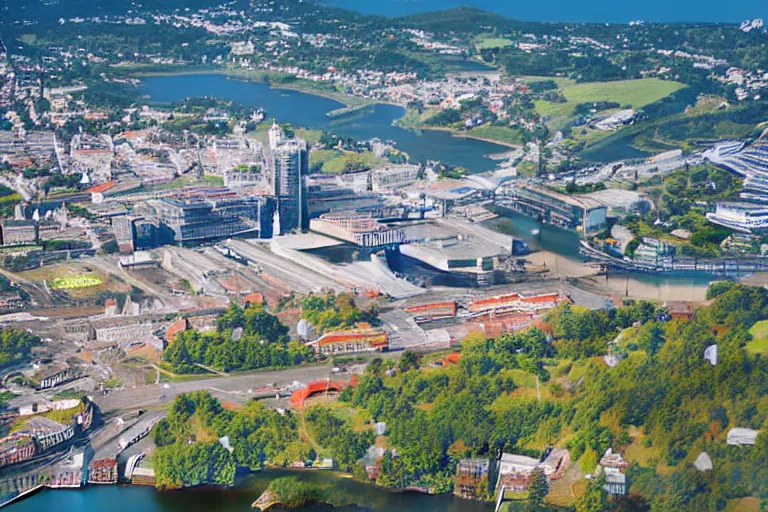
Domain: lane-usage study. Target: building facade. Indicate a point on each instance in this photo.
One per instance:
(289, 163)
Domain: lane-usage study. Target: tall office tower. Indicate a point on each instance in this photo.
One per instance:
(289, 163)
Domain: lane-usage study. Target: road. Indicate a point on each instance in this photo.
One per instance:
(232, 389)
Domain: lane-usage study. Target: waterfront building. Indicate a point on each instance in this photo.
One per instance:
(515, 472)
(568, 211)
(289, 163)
(471, 474)
(743, 217)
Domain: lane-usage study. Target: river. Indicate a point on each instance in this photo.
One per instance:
(145, 499)
(309, 110)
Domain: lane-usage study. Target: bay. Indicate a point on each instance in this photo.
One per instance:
(309, 110)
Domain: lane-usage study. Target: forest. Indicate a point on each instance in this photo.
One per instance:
(244, 339)
(661, 406)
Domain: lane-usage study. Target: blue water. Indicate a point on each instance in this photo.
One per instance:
(575, 11)
(146, 499)
(308, 110)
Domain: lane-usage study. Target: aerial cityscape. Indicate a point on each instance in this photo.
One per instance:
(395, 256)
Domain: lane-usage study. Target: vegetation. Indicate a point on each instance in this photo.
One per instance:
(15, 346)
(291, 492)
(189, 452)
(263, 343)
(329, 311)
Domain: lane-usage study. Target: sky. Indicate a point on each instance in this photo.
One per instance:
(620, 11)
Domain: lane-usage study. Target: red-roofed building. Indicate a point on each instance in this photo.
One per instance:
(452, 358)
(178, 326)
(253, 299)
(362, 339)
(516, 302)
(97, 192)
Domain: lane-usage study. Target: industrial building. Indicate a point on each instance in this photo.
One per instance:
(571, 212)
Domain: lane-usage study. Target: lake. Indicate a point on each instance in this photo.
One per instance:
(145, 499)
(308, 110)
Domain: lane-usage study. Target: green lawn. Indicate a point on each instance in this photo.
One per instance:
(488, 42)
(635, 93)
(503, 134)
(759, 343)
(349, 162)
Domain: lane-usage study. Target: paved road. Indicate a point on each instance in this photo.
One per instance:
(232, 389)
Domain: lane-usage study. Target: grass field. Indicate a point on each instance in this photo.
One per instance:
(635, 93)
(759, 343)
(488, 42)
(348, 162)
(503, 134)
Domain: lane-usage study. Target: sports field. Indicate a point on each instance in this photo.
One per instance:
(488, 42)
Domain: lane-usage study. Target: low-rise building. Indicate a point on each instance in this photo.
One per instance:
(362, 339)
(471, 475)
(515, 472)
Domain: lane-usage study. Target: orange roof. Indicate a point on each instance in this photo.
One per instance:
(102, 188)
(430, 306)
(375, 338)
(452, 358)
(178, 326)
(254, 298)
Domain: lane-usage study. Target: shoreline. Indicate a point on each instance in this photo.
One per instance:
(462, 135)
(350, 102)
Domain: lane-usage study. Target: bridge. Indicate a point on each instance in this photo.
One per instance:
(317, 387)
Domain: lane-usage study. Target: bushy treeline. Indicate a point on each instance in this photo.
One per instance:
(263, 343)
(664, 398)
(189, 451)
(15, 346)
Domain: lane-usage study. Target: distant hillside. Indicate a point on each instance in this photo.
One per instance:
(460, 19)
